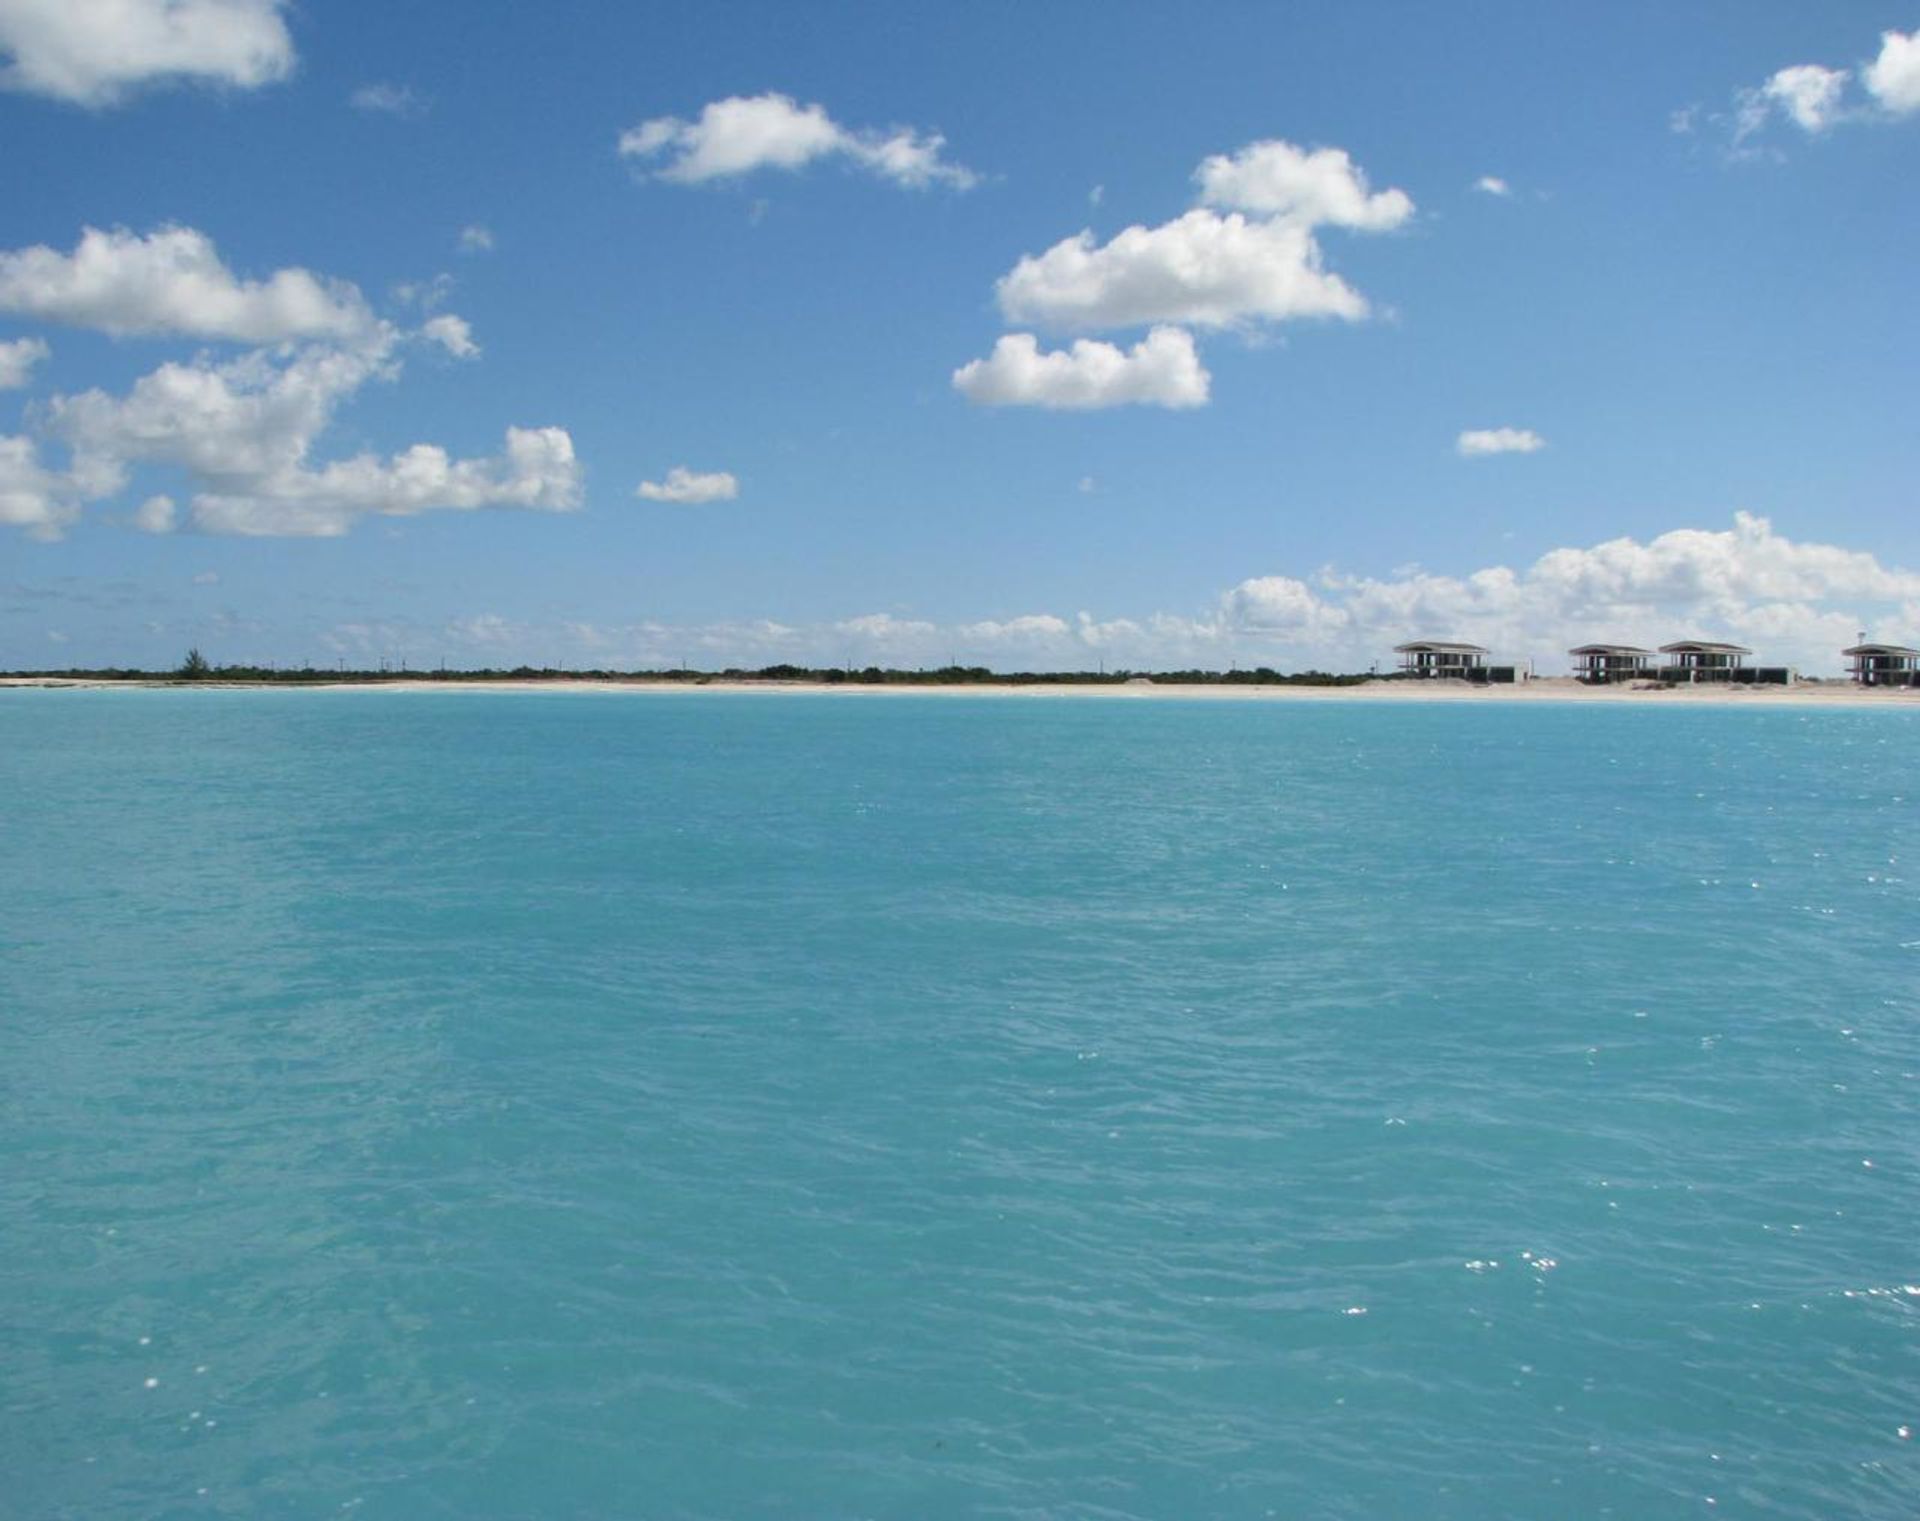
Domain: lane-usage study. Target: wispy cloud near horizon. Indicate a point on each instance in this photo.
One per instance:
(1795, 602)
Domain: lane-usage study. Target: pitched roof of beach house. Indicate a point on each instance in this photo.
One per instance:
(1703, 647)
(1608, 649)
(1438, 647)
(1880, 649)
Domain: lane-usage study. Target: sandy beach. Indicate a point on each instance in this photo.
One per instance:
(1833, 694)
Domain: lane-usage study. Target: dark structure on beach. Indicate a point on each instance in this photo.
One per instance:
(1602, 664)
(1437, 657)
(1701, 660)
(1883, 665)
(1697, 660)
(1430, 658)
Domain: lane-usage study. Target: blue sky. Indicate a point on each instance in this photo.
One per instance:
(572, 249)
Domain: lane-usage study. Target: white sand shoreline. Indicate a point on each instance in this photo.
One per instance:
(1829, 694)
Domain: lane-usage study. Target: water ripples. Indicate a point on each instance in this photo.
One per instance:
(526, 1107)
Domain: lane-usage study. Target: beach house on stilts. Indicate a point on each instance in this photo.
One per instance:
(1693, 660)
(1439, 657)
(1431, 658)
(1602, 664)
(1883, 665)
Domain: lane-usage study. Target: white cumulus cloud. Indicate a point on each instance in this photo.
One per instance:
(1282, 606)
(1492, 184)
(31, 496)
(158, 514)
(684, 485)
(1162, 370)
(17, 360)
(452, 334)
(1478, 441)
(745, 133)
(1202, 269)
(245, 433)
(173, 281)
(251, 418)
(1808, 94)
(1814, 97)
(1248, 254)
(476, 239)
(91, 52)
(1893, 78)
(536, 470)
(43, 501)
(1321, 186)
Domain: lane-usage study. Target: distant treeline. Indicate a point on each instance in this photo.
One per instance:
(196, 670)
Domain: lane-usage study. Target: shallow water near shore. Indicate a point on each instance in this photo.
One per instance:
(500, 1106)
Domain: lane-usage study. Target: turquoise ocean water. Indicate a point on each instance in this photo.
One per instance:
(501, 1106)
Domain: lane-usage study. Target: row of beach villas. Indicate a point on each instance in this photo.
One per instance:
(1685, 662)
